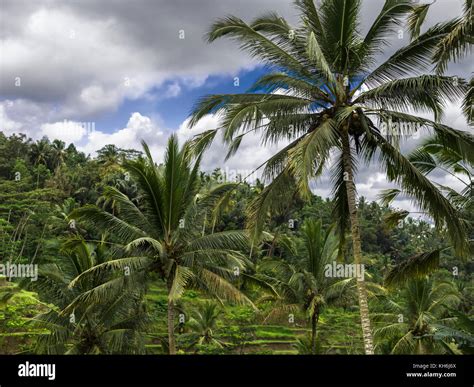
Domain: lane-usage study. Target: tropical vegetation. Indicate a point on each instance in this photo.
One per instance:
(140, 253)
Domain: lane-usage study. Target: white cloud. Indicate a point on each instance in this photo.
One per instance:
(83, 62)
(367, 188)
(138, 128)
(95, 99)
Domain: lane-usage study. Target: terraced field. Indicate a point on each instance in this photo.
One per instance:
(257, 338)
(269, 338)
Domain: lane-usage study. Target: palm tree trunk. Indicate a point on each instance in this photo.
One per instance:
(272, 246)
(171, 316)
(356, 245)
(314, 324)
(171, 337)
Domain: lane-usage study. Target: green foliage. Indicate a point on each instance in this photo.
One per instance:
(411, 325)
(17, 309)
(127, 247)
(36, 223)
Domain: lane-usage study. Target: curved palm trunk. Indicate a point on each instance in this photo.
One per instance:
(314, 325)
(272, 246)
(171, 337)
(356, 245)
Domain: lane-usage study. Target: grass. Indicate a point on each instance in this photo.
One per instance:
(286, 352)
(269, 342)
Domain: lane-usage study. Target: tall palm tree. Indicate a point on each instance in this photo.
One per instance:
(327, 96)
(162, 233)
(304, 284)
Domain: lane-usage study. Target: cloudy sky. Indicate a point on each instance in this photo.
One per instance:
(131, 70)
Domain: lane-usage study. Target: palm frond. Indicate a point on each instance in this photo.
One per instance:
(412, 58)
(394, 218)
(388, 195)
(425, 92)
(182, 276)
(119, 227)
(308, 157)
(417, 266)
(234, 240)
(220, 288)
(339, 19)
(458, 42)
(256, 44)
(273, 197)
(416, 19)
(385, 25)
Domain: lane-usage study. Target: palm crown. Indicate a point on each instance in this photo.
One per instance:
(328, 84)
(412, 328)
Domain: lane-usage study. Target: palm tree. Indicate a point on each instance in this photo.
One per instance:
(163, 233)
(305, 284)
(203, 325)
(60, 219)
(424, 321)
(58, 153)
(305, 346)
(115, 326)
(40, 153)
(412, 324)
(110, 158)
(461, 334)
(326, 96)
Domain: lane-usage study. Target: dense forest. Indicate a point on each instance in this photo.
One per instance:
(117, 253)
(270, 297)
